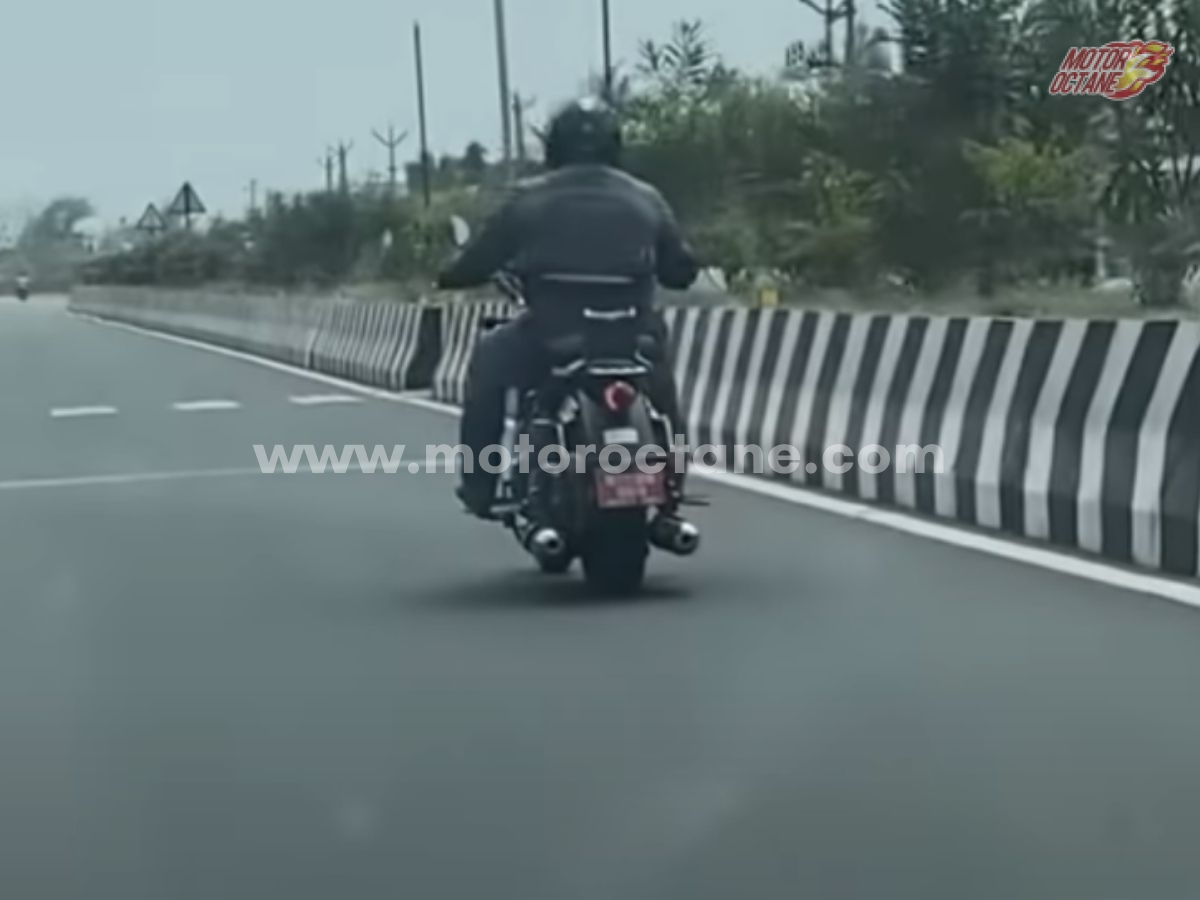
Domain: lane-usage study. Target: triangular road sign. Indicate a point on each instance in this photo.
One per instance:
(187, 202)
(152, 220)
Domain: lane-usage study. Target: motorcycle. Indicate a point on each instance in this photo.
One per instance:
(575, 506)
(22, 289)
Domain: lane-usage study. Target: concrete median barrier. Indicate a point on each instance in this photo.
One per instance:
(1085, 434)
(383, 343)
(461, 326)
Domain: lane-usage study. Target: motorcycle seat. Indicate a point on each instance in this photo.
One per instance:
(566, 348)
(569, 347)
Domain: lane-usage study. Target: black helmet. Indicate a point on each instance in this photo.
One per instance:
(583, 131)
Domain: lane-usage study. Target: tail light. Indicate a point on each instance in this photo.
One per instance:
(619, 396)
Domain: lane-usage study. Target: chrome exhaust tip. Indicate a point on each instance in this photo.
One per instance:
(687, 538)
(676, 536)
(547, 543)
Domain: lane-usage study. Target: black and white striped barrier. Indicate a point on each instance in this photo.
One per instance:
(1085, 434)
(461, 325)
(383, 344)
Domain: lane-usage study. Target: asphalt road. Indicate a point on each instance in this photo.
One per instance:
(232, 686)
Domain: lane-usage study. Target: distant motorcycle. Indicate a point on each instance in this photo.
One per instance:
(22, 288)
(609, 520)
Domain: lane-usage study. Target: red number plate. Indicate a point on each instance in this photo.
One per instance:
(630, 489)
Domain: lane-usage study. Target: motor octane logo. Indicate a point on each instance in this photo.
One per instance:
(1116, 71)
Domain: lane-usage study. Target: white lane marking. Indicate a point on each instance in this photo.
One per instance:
(206, 405)
(1042, 558)
(29, 484)
(1051, 560)
(76, 412)
(323, 399)
(26, 484)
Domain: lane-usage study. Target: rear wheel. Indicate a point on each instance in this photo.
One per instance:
(615, 552)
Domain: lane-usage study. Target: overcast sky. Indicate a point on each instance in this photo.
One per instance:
(122, 100)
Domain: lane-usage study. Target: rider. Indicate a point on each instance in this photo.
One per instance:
(584, 223)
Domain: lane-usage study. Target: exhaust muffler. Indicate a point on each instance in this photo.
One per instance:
(544, 543)
(675, 535)
(547, 543)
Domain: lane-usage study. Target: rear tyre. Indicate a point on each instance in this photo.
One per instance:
(615, 553)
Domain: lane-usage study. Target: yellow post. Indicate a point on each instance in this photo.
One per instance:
(767, 291)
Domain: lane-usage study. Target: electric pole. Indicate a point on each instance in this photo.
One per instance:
(253, 189)
(505, 103)
(326, 163)
(608, 67)
(849, 11)
(520, 105)
(343, 150)
(392, 142)
(831, 15)
(421, 108)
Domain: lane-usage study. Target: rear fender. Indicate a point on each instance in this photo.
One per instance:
(596, 427)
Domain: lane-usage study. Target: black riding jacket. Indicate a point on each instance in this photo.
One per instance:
(580, 231)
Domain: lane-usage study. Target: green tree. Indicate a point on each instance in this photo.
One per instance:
(1153, 197)
(1037, 213)
(56, 223)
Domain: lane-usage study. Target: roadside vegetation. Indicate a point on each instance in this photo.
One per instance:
(918, 156)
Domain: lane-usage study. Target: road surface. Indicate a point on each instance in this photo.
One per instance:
(222, 685)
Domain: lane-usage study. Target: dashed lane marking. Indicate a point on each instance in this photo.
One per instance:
(324, 399)
(77, 412)
(205, 405)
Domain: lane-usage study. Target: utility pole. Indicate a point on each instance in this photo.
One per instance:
(253, 189)
(392, 141)
(520, 104)
(505, 103)
(326, 163)
(343, 150)
(831, 15)
(608, 66)
(421, 108)
(849, 12)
